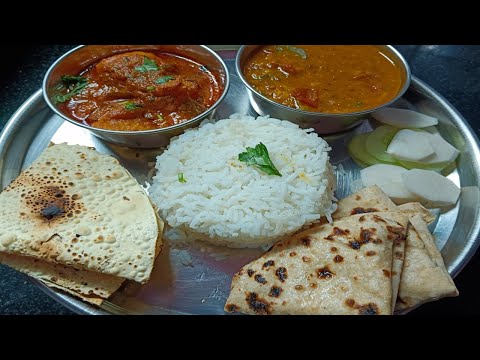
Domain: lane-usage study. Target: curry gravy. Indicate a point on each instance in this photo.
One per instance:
(324, 78)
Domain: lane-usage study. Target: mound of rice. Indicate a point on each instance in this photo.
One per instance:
(226, 202)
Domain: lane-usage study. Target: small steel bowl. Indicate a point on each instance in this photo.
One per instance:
(323, 123)
(80, 58)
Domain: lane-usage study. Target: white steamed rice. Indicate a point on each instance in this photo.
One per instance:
(226, 202)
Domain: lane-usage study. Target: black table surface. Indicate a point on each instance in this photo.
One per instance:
(453, 70)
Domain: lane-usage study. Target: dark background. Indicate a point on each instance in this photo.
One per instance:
(453, 70)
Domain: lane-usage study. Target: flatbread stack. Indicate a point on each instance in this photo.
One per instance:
(375, 259)
(78, 221)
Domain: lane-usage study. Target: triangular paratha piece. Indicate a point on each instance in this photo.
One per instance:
(344, 268)
(367, 200)
(373, 199)
(425, 277)
(417, 208)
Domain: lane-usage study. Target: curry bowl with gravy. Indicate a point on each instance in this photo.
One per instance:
(136, 95)
(330, 88)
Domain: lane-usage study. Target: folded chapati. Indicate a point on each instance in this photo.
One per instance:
(425, 277)
(372, 199)
(343, 268)
(367, 200)
(417, 208)
(84, 218)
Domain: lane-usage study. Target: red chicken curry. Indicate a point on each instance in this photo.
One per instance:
(138, 91)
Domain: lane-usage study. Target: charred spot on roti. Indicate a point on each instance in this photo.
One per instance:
(333, 249)
(231, 308)
(377, 218)
(281, 273)
(250, 272)
(325, 273)
(367, 309)
(257, 304)
(260, 279)
(268, 264)
(298, 287)
(293, 253)
(313, 285)
(275, 291)
(355, 245)
(371, 253)
(360, 210)
(337, 232)
(358, 197)
(361, 218)
(306, 259)
(386, 273)
(338, 258)
(398, 255)
(366, 236)
(306, 241)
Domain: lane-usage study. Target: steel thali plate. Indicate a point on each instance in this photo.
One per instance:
(196, 279)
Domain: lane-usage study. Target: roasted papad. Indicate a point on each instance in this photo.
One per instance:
(78, 221)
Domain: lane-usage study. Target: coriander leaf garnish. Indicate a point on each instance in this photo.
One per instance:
(74, 85)
(164, 79)
(299, 51)
(148, 65)
(259, 158)
(131, 106)
(70, 79)
(150, 88)
(181, 178)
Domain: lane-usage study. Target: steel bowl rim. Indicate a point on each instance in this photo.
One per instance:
(402, 91)
(142, 132)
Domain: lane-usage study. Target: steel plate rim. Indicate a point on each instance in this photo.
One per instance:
(81, 308)
(467, 131)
